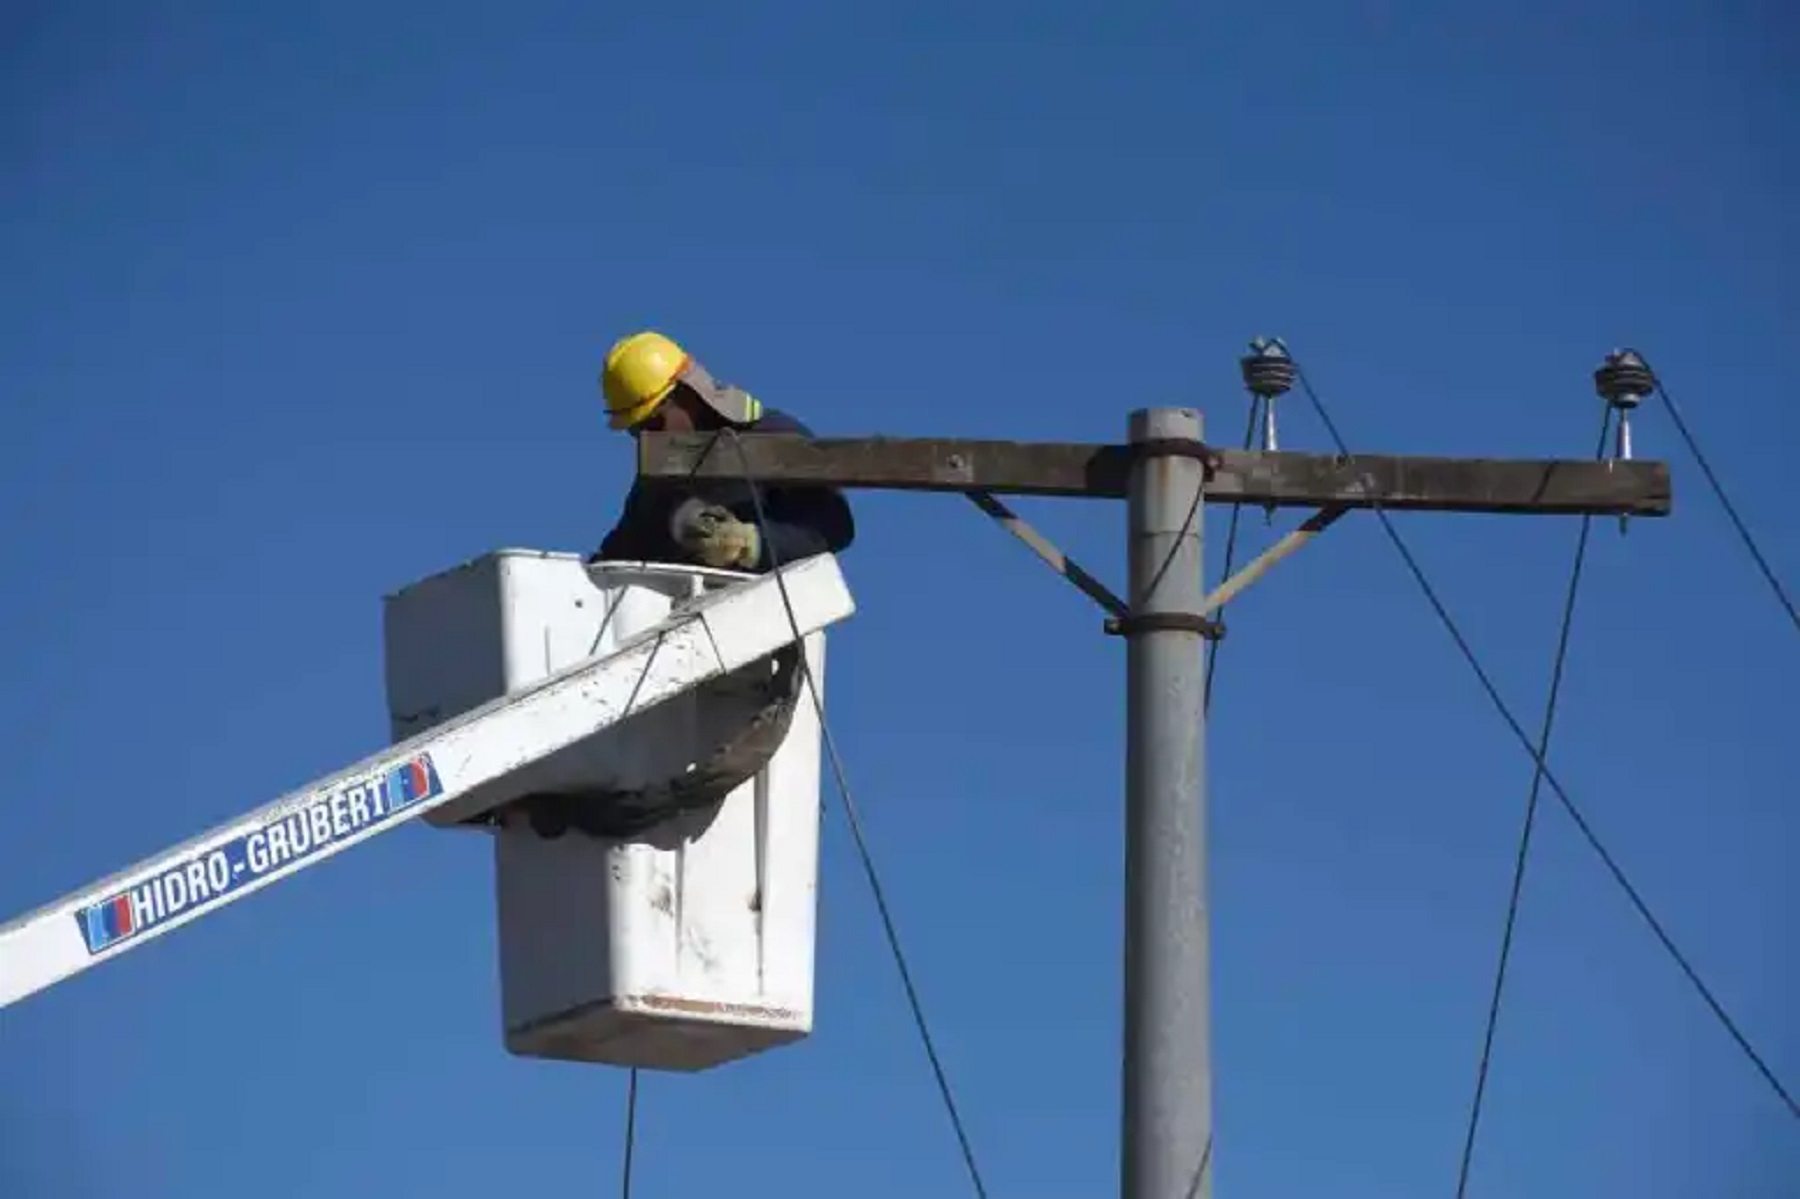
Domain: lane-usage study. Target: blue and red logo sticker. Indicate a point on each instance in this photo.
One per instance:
(278, 847)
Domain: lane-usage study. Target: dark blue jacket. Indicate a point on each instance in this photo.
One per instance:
(802, 521)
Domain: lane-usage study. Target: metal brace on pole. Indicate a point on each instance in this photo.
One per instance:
(1253, 570)
(1044, 548)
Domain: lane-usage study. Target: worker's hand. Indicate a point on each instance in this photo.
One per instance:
(714, 536)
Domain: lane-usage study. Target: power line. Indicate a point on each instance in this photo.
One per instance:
(1212, 666)
(1593, 839)
(1524, 848)
(1231, 537)
(1737, 522)
(1200, 1171)
(631, 1096)
(862, 849)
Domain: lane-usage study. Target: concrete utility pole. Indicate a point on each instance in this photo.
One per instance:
(1168, 1011)
(1167, 475)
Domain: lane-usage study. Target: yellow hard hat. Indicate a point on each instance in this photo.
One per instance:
(641, 370)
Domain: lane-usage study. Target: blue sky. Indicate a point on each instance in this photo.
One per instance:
(305, 302)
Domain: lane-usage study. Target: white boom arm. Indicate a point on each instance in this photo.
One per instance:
(713, 636)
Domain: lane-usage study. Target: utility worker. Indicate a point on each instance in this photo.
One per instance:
(651, 384)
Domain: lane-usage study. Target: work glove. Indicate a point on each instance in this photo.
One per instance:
(714, 536)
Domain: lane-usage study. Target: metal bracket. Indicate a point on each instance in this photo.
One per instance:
(1253, 570)
(1129, 624)
(1165, 622)
(1040, 545)
(1122, 622)
(1200, 622)
(1176, 447)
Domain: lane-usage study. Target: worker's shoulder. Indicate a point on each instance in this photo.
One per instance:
(774, 420)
